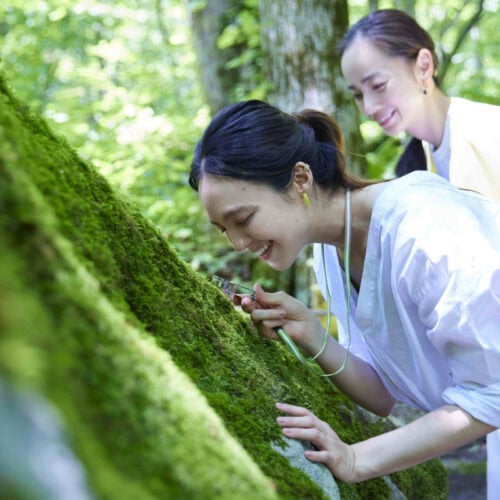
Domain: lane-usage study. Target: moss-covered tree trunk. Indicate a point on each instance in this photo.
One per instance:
(164, 389)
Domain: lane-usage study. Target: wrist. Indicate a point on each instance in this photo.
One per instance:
(316, 341)
(362, 466)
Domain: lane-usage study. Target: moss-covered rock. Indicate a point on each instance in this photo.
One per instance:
(165, 390)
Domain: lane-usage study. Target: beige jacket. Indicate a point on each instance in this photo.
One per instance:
(474, 145)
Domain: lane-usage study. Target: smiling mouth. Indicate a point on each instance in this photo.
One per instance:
(383, 121)
(263, 250)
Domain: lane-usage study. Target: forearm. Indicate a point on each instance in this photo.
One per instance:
(358, 380)
(437, 432)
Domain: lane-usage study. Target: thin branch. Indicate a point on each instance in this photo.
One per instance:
(447, 57)
(446, 26)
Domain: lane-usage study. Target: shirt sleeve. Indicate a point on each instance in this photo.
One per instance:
(450, 272)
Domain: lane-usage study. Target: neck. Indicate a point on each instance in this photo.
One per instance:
(434, 111)
(329, 226)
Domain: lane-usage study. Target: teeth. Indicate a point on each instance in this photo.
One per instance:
(385, 118)
(263, 249)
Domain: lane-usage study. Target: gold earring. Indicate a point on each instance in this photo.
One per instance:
(307, 200)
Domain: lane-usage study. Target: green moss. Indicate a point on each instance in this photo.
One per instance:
(467, 468)
(165, 389)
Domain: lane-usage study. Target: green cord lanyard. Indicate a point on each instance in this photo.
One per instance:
(347, 252)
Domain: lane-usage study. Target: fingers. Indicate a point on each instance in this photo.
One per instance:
(264, 319)
(314, 436)
(261, 296)
(265, 314)
(268, 299)
(292, 409)
(303, 425)
(246, 303)
(273, 310)
(322, 457)
(250, 302)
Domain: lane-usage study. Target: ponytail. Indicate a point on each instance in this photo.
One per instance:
(413, 158)
(325, 129)
(330, 169)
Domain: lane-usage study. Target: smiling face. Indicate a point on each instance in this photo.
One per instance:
(385, 87)
(256, 218)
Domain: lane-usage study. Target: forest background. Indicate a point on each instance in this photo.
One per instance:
(131, 84)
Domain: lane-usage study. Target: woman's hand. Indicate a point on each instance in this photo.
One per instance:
(435, 433)
(358, 380)
(271, 310)
(301, 424)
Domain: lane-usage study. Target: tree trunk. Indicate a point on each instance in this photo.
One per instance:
(217, 79)
(407, 6)
(299, 42)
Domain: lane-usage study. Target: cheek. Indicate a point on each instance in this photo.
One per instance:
(404, 90)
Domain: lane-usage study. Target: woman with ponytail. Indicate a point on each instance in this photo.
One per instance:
(424, 293)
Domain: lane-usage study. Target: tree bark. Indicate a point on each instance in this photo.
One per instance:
(217, 79)
(301, 61)
(407, 6)
(299, 42)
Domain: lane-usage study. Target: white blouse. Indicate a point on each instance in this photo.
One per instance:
(427, 317)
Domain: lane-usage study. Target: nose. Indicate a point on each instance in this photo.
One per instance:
(238, 240)
(370, 105)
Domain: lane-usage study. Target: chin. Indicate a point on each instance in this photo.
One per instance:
(395, 130)
(278, 266)
(392, 132)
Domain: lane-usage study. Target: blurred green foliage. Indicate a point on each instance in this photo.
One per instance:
(119, 79)
(243, 30)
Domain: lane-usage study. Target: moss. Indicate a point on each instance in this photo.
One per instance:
(467, 468)
(166, 391)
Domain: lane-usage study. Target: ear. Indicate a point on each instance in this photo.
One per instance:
(302, 177)
(424, 67)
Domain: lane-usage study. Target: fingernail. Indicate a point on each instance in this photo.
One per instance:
(280, 420)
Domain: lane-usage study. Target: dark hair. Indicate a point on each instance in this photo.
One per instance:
(257, 142)
(396, 34)
(413, 158)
